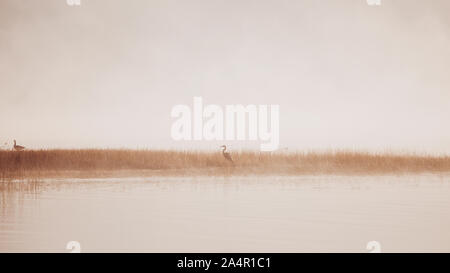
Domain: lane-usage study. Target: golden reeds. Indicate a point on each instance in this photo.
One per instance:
(25, 163)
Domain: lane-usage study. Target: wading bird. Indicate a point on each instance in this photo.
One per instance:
(18, 147)
(226, 154)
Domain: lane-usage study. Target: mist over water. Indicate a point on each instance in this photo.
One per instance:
(228, 214)
(107, 73)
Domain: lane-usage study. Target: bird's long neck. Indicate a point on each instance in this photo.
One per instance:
(14, 143)
(224, 149)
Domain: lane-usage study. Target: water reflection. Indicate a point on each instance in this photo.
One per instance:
(233, 214)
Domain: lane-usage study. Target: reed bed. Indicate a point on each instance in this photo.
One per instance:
(41, 162)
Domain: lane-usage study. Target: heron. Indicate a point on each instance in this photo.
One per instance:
(225, 153)
(18, 147)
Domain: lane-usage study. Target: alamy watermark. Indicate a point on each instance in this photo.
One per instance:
(73, 246)
(373, 2)
(213, 122)
(374, 247)
(73, 2)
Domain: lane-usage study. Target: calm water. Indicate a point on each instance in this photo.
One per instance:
(270, 214)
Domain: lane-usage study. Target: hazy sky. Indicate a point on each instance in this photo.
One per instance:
(107, 73)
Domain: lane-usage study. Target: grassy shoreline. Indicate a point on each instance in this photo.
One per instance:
(120, 163)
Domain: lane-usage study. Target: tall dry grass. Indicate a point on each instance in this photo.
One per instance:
(25, 163)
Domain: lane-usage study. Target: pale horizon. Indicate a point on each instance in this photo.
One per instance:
(346, 75)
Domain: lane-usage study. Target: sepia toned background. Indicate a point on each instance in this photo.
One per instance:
(107, 73)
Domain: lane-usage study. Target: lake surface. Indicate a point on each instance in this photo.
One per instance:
(229, 214)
